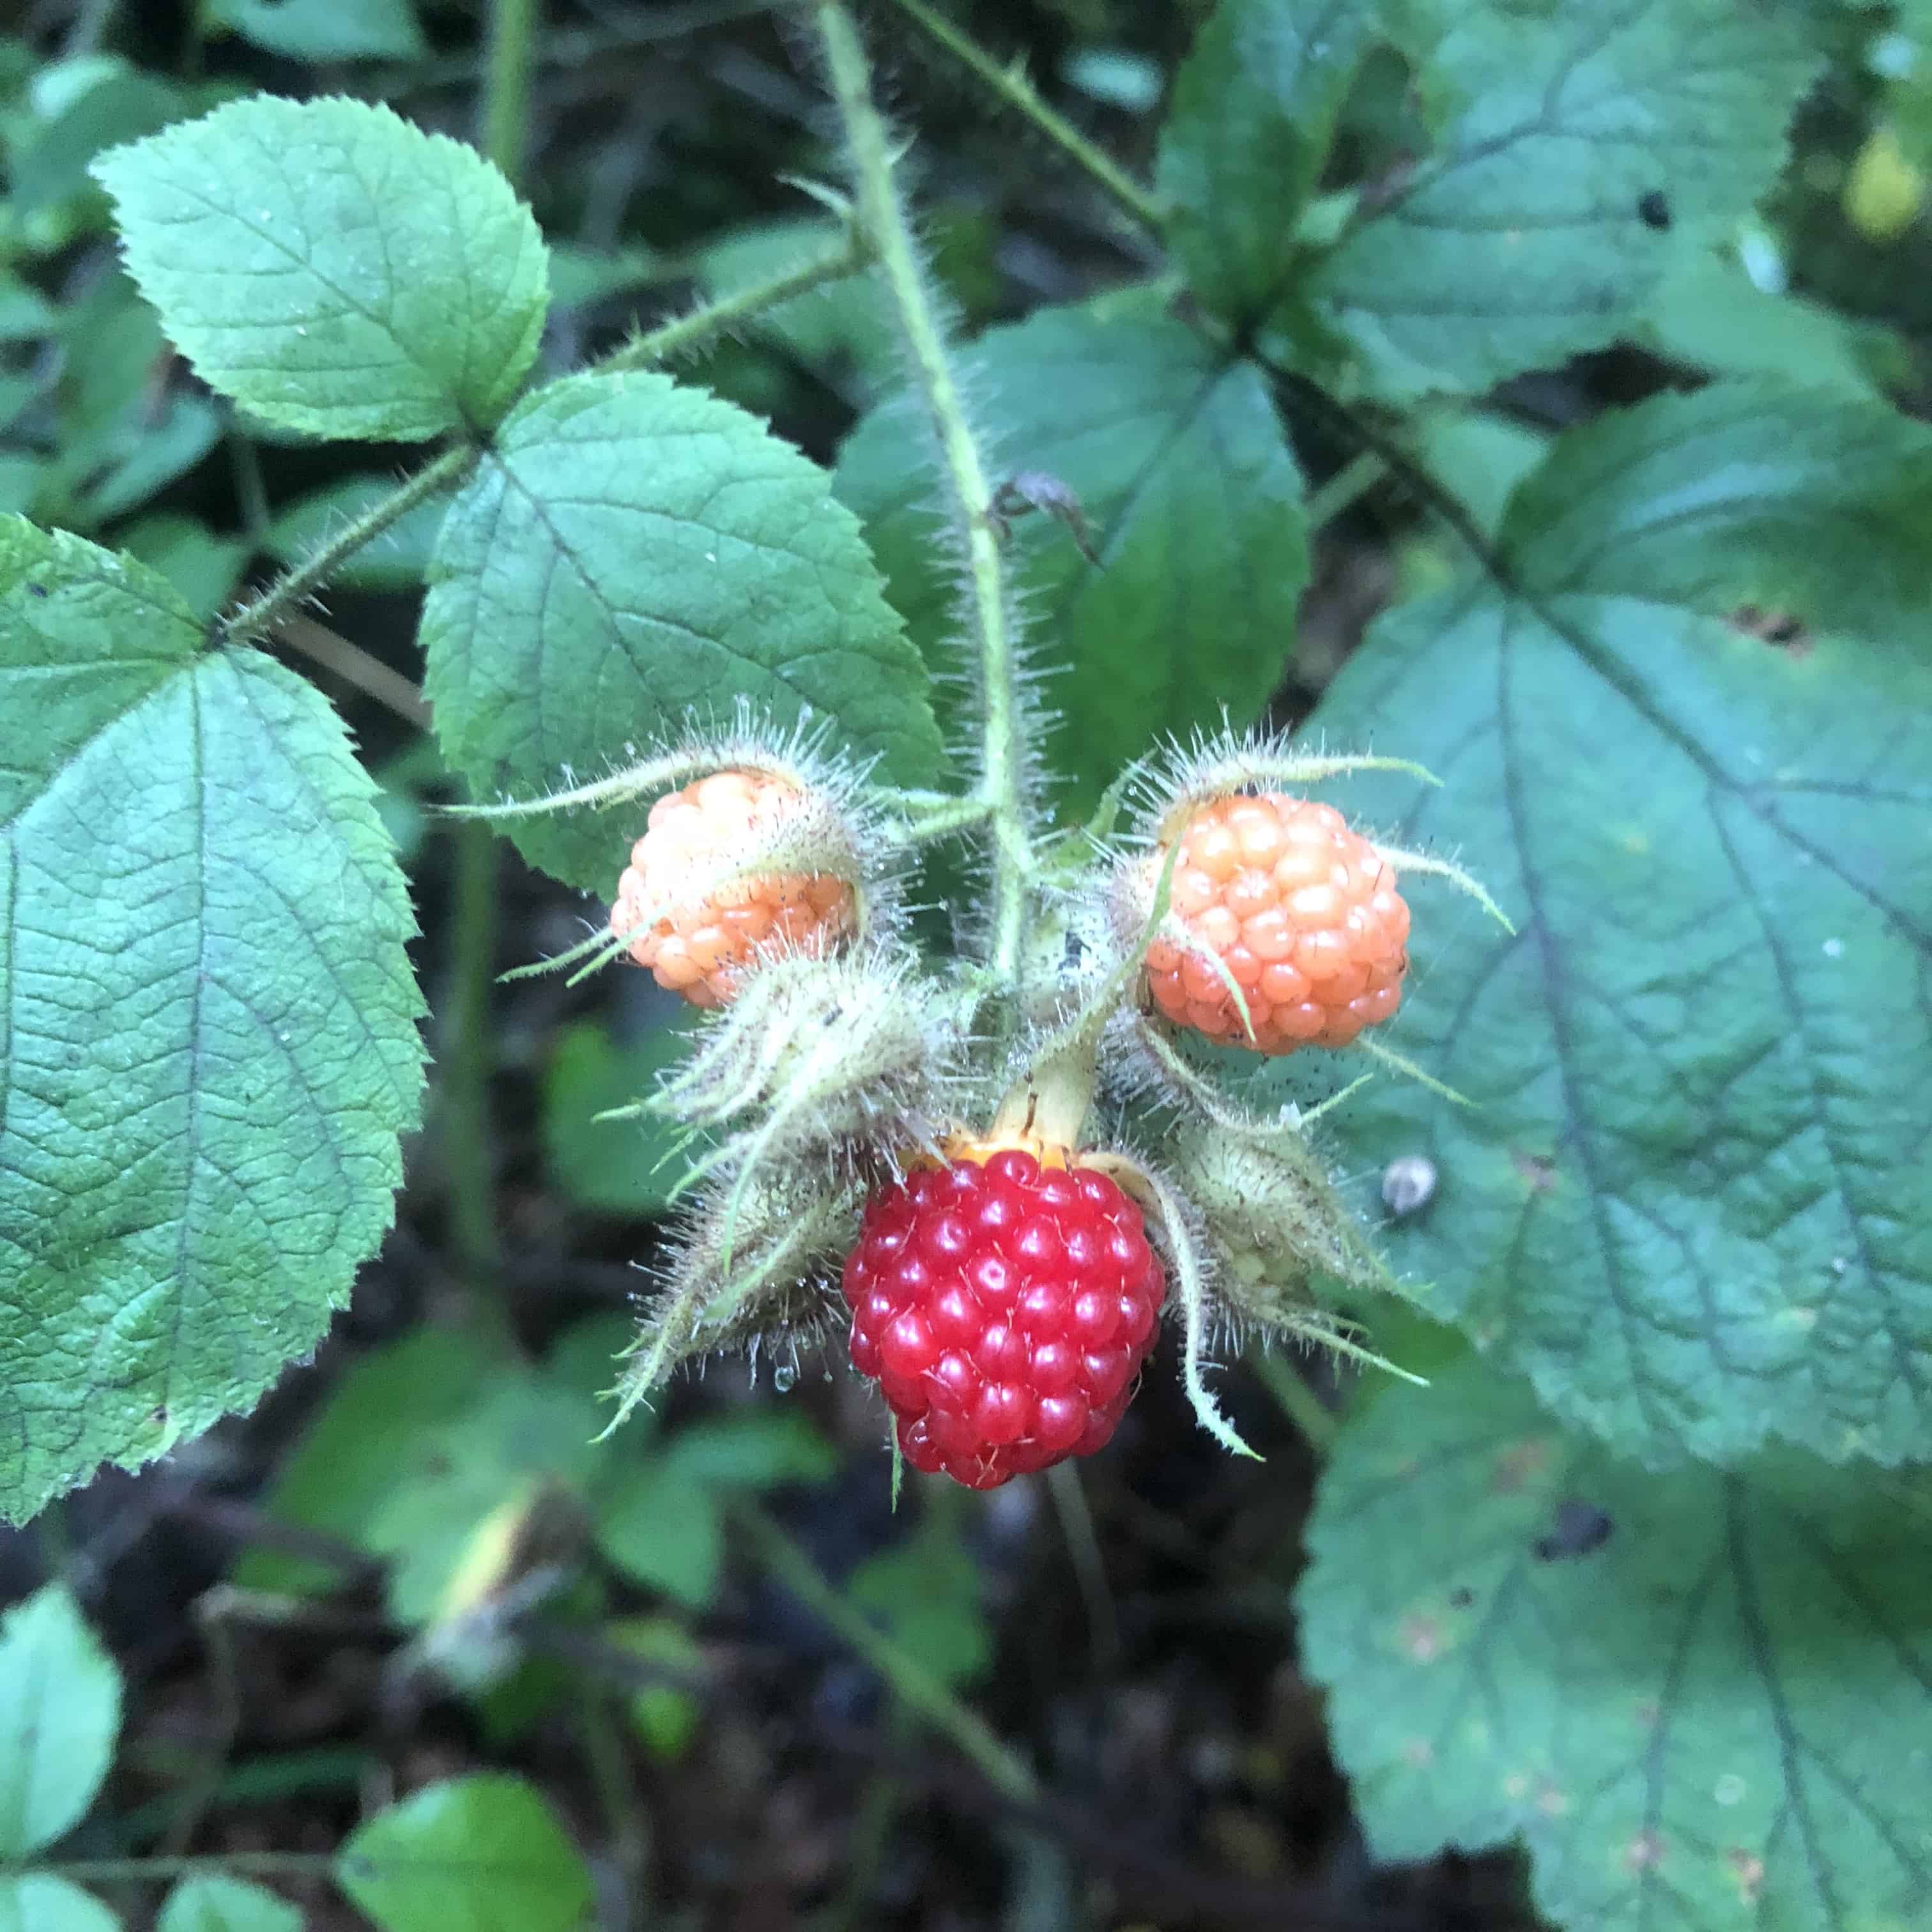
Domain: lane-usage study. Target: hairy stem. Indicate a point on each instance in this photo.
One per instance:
(263, 611)
(673, 338)
(1018, 92)
(883, 217)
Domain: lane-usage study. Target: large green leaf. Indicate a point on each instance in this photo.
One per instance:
(1194, 504)
(478, 1854)
(1254, 106)
(335, 269)
(633, 556)
(1581, 147)
(1688, 1199)
(60, 1712)
(207, 1019)
(1701, 1701)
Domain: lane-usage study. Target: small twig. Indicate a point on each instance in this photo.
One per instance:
(251, 492)
(623, 1809)
(920, 1690)
(1090, 1567)
(158, 1870)
(353, 665)
(1346, 488)
(1019, 93)
(1311, 1417)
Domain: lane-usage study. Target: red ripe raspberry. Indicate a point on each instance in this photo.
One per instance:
(1005, 1310)
(711, 933)
(1301, 911)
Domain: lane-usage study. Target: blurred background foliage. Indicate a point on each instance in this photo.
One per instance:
(756, 1693)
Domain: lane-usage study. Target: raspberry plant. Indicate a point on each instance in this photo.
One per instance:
(943, 781)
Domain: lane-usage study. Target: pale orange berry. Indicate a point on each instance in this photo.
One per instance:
(1300, 911)
(703, 935)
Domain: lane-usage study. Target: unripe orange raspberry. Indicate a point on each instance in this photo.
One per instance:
(698, 934)
(1302, 913)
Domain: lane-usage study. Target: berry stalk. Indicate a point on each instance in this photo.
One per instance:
(882, 217)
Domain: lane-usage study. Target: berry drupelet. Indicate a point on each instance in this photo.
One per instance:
(1005, 1308)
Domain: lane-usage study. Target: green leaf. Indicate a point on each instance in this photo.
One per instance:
(1709, 313)
(634, 554)
(39, 1903)
(337, 270)
(1701, 1701)
(346, 1463)
(617, 1167)
(479, 1854)
(218, 1903)
(663, 1529)
(60, 1712)
(207, 1018)
(24, 312)
(661, 1521)
(1487, 454)
(581, 276)
(665, 1718)
(925, 1593)
(21, 480)
(396, 560)
(123, 431)
(1254, 112)
(324, 30)
(1193, 499)
(437, 1448)
(1581, 152)
(755, 1448)
(521, 1451)
(84, 105)
(1683, 1199)
(203, 567)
